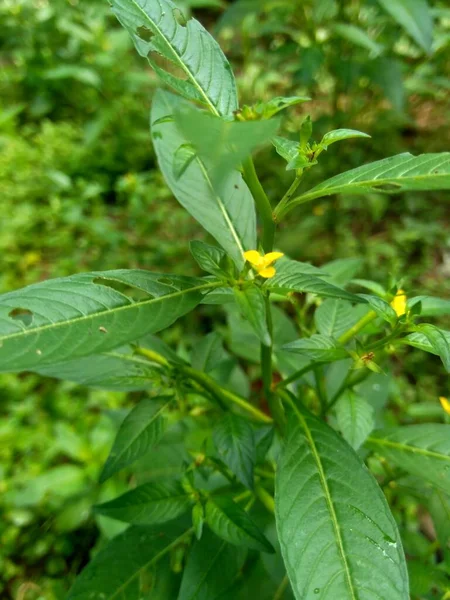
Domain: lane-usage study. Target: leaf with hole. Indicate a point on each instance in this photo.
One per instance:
(230, 522)
(234, 440)
(337, 535)
(85, 315)
(148, 504)
(227, 214)
(159, 31)
(422, 450)
(142, 428)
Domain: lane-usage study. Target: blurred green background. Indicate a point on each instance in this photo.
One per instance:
(80, 190)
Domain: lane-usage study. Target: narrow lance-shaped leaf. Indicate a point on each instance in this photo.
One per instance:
(422, 450)
(60, 319)
(415, 17)
(338, 135)
(337, 535)
(398, 173)
(140, 430)
(228, 214)
(148, 504)
(158, 27)
(235, 442)
(114, 573)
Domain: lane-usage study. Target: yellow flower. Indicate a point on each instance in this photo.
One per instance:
(445, 403)
(261, 263)
(399, 303)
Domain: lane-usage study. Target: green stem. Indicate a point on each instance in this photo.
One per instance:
(275, 406)
(356, 328)
(262, 203)
(282, 588)
(286, 198)
(224, 397)
(265, 498)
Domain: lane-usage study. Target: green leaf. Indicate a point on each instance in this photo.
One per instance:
(114, 573)
(253, 307)
(439, 507)
(148, 504)
(438, 341)
(117, 370)
(266, 110)
(228, 215)
(333, 317)
(182, 158)
(208, 257)
(342, 270)
(198, 518)
(398, 173)
(158, 29)
(234, 440)
(141, 429)
(355, 418)
(372, 286)
(292, 275)
(318, 347)
(338, 135)
(300, 162)
(419, 340)
(287, 149)
(415, 17)
(209, 353)
(382, 308)
(431, 307)
(230, 522)
(211, 569)
(422, 450)
(359, 37)
(84, 315)
(336, 531)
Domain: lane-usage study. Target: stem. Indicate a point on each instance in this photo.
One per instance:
(224, 397)
(275, 406)
(287, 196)
(265, 498)
(262, 203)
(281, 589)
(350, 333)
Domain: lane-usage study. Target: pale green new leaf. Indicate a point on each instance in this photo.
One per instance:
(81, 315)
(252, 305)
(211, 568)
(398, 173)
(234, 440)
(337, 535)
(338, 135)
(228, 214)
(158, 27)
(422, 450)
(114, 573)
(295, 276)
(415, 17)
(230, 522)
(287, 149)
(318, 347)
(359, 37)
(355, 418)
(148, 504)
(141, 429)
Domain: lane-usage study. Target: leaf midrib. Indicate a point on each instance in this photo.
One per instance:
(178, 60)
(328, 498)
(109, 311)
(408, 448)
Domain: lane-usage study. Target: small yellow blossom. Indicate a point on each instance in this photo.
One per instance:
(445, 403)
(262, 263)
(399, 303)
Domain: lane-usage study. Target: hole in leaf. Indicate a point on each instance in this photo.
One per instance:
(388, 187)
(144, 33)
(179, 17)
(131, 293)
(165, 281)
(164, 63)
(157, 135)
(21, 314)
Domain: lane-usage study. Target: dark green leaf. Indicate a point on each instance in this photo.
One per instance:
(337, 535)
(159, 28)
(84, 315)
(422, 450)
(114, 573)
(209, 353)
(140, 430)
(235, 442)
(230, 522)
(148, 504)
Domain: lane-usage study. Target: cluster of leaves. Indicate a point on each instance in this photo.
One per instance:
(243, 465)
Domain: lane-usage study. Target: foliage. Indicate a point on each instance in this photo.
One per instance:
(237, 425)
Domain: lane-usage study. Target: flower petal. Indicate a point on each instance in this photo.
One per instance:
(399, 303)
(267, 272)
(445, 404)
(253, 257)
(271, 257)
